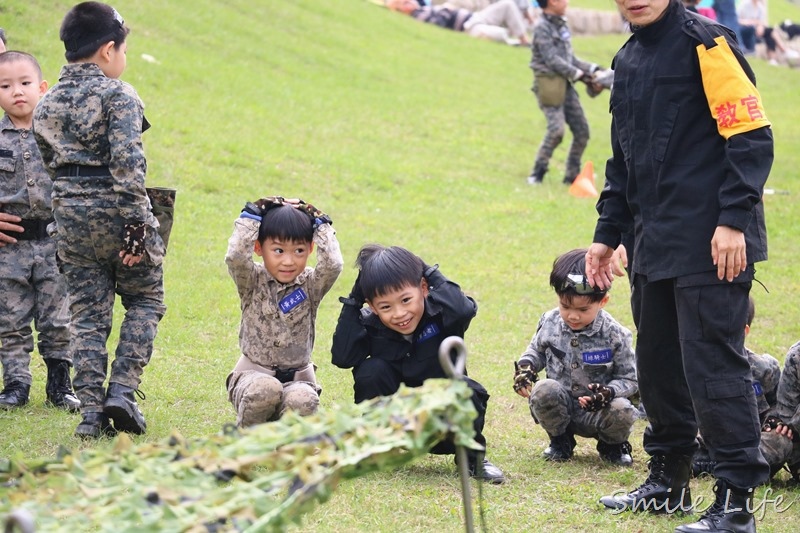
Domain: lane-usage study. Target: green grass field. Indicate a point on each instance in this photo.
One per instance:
(405, 134)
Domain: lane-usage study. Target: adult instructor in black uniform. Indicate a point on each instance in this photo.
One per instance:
(691, 152)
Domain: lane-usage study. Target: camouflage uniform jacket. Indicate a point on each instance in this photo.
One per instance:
(789, 389)
(25, 185)
(277, 328)
(90, 119)
(766, 376)
(552, 49)
(601, 353)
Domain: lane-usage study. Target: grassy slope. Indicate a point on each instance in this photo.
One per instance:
(405, 134)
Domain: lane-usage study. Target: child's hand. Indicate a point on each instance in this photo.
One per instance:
(773, 423)
(9, 223)
(256, 210)
(524, 378)
(602, 397)
(133, 238)
(317, 216)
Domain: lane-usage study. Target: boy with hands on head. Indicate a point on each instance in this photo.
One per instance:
(279, 302)
(588, 359)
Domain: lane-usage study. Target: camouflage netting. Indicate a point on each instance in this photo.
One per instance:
(260, 479)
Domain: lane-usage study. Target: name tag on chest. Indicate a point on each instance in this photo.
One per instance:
(292, 300)
(757, 388)
(598, 357)
(429, 331)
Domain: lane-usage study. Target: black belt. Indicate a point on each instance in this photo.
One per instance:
(82, 170)
(33, 230)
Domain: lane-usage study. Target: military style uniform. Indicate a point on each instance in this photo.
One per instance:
(788, 409)
(31, 286)
(276, 335)
(383, 359)
(601, 353)
(88, 128)
(677, 172)
(553, 58)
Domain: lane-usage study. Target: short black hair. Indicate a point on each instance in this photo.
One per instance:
(88, 26)
(384, 269)
(568, 277)
(15, 55)
(287, 224)
(751, 310)
(542, 3)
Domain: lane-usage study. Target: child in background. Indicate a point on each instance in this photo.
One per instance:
(279, 302)
(89, 130)
(411, 309)
(786, 424)
(32, 288)
(588, 359)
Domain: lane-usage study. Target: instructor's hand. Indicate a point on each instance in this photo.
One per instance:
(599, 272)
(729, 252)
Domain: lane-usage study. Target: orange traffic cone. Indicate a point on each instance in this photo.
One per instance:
(583, 186)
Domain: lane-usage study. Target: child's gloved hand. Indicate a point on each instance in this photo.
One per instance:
(256, 210)
(602, 397)
(317, 216)
(133, 237)
(524, 378)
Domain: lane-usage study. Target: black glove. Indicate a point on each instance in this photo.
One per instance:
(133, 238)
(317, 216)
(524, 377)
(602, 396)
(772, 422)
(256, 210)
(356, 294)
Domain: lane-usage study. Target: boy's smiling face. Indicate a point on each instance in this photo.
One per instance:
(284, 260)
(402, 309)
(579, 311)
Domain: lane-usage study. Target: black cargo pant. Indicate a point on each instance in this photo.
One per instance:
(694, 374)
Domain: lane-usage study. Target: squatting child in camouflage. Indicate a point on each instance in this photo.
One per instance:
(775, 446)
(588, 359)
(89, 130)
(279, 301)
(33, 290)
(786, 423)
(411, 309)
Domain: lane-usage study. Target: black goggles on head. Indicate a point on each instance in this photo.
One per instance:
(579, 284)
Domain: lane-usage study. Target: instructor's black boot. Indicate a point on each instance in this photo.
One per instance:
(730, 512)
(15, 394)
(122, 408)
(59, 387)
(666, 489)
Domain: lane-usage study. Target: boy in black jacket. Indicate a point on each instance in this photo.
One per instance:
(411, 309)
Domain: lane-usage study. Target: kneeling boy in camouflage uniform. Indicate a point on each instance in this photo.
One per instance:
(279, 301)
(588, 359)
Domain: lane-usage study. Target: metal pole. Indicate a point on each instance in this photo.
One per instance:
(456, 371)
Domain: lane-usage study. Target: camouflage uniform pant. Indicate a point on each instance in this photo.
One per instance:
(553, 406)
(778, 449)
(89, 249)
(571, 113)
(32, 291)
(259, 397)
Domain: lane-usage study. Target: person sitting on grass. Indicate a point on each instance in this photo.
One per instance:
(411, 309)
(501, 21)
(589, 363)
(279, 301)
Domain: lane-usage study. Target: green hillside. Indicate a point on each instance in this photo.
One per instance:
(405, 134)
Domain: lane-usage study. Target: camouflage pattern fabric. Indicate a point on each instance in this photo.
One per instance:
(277, 326)
(766, 376)
(552, 55)
(788, 408)
(83, 120)
(601, 353)
(162, 200)
(88, 244)
(554, 407)
(31, 286)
